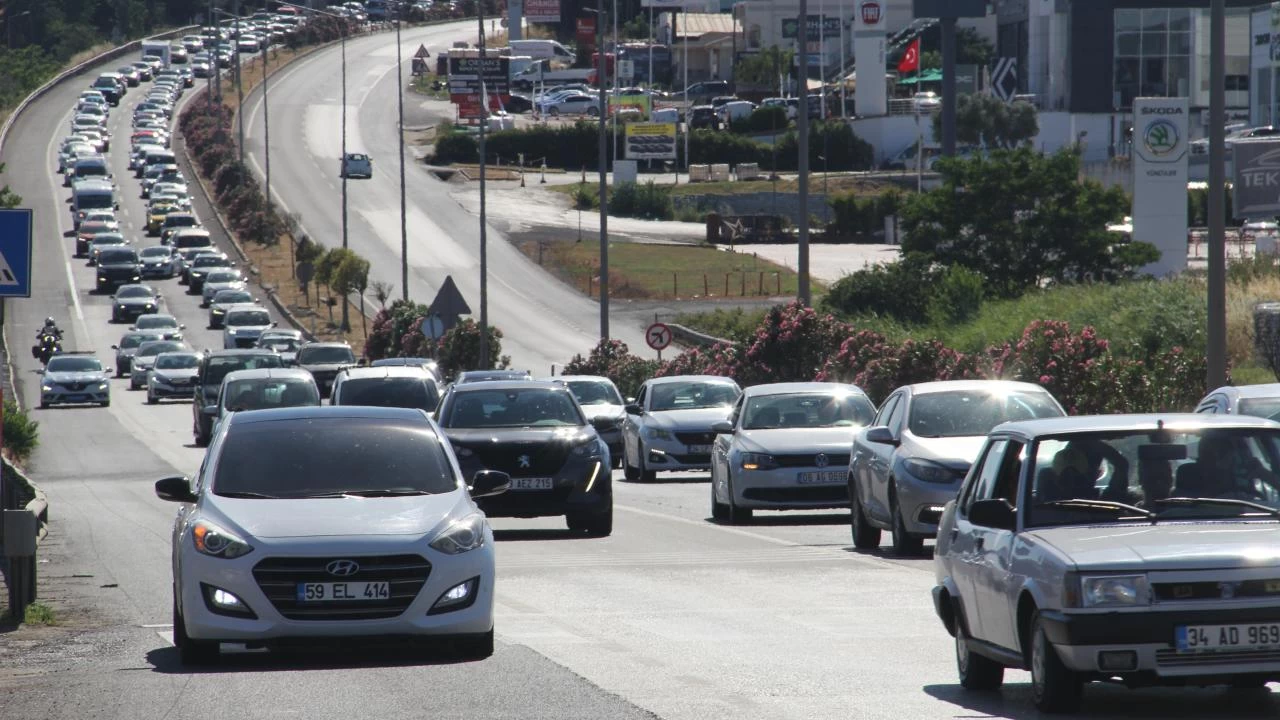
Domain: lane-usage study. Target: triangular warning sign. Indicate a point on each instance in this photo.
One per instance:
(449, 303)
(422, 52)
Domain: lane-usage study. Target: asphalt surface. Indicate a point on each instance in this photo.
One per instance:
(672, 616)
(543, 321)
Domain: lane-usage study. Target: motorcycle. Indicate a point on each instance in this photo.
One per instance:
(46, 347)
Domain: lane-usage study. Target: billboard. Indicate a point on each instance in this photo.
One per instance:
(1160, 150)
(465, 74)
(542, 11)
(1256, 179)
(639, 102)
(830, 27)
(710, 6)
(651, 141)
(586, 32)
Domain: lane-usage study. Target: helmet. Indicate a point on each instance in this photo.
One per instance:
(48, 322)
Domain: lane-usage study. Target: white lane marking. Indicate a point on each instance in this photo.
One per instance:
(167, 636)
(158, 625)
(62, 245)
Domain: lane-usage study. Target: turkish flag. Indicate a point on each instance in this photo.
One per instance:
(911, 58)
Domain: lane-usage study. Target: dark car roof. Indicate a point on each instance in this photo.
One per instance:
(238, 351)
(510, 385)
(324, 412)
(473, 376)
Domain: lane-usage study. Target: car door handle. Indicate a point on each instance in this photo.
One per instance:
(955, 534)
(978, 543)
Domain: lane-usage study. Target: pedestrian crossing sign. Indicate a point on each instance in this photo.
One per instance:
(15, 252)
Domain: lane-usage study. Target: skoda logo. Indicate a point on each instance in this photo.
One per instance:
(525, 461)
(1161, 137)
(342, 568)
(821, 460)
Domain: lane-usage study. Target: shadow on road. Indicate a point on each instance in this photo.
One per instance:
(672, 480)
(1104, 700)
(535, 535)
(787, 520)
(343, 656)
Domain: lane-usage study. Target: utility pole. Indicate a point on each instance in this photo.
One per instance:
(343, 164)
(404, 227)
(239, 86)
(266, 128)
(604, 186)
(484, 239)
(1217, 321)
(802, 129)
(213, 62)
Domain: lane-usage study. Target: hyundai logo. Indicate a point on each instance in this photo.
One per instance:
(525, 461)
(821, 460)
(342, 568)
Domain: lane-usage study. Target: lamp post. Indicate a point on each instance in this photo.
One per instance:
(1216, 358)
(239, 84)
(802, 130)
(603, 168)
(266, 129)
(484, 236)
(404, 228)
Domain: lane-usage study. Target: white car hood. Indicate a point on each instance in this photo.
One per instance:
(696, 420)
(610, 411)
(324, 517)
(1201, 545)
(833, 441)
(964, 448)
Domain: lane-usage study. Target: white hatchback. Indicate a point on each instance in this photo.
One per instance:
(331, 522)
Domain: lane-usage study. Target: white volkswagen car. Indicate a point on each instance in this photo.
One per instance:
(324, 522)
(668, 427)
(786, 447)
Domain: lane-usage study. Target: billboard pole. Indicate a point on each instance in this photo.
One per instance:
(802, 130)
(484, 254)
(1216, 358)
(602, 73)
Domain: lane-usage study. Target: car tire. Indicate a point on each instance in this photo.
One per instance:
(593, 111)
(904, 543)
(192, 652)
(976, 672)
(1055, 688)
(597, 524)
(474, 647)
(44, 405)
(737, 515)
(719, 510)
(152, 399)
(865, 535)
(105, 403)
(554, 112)
(629, 472)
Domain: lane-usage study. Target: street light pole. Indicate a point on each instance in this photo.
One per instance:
(266, 128)
(404, 228)
(343, 43)
(484, 237)
(239, 88)
(604, 188)
(1216, 336)
(802, 130)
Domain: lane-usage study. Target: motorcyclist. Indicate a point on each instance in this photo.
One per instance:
(50, 328)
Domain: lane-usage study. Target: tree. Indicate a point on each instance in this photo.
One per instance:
(987, 121)
(460, 349)
(352, 276)
(762, 69)
(8, 198)
(1020, 218)
(326, 270)
(971, 47)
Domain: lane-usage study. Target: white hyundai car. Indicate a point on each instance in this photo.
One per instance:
(327, 522)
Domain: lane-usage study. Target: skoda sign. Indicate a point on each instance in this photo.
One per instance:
(1161, 137)
(1160, 158)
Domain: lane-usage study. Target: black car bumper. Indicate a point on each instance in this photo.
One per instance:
(569, 494)
(1143, 627)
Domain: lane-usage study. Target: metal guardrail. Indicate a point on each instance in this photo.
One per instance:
(23, 525)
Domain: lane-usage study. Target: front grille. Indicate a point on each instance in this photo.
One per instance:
(279, 577)
(810, 460)
(528, 459)
(1171, 658)
(1215, 590)
(696, 438)
(691, 459)
(76, 386)
(246, 342)
(816, 494)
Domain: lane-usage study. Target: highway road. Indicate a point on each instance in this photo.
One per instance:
(672, 616)
(543, 320)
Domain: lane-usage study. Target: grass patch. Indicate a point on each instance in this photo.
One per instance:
(39, 614)
(425, 85)
(737, 324)
(638, 270)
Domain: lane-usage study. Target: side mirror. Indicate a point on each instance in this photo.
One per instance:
(487, 483)
(633, 409)
(210, 410)
(881, 435)
(603, 422)
(724, 427)
(40, 371)
(182, 327)
(116, 347)
(175, 489)
(998, 514)
(108, 370)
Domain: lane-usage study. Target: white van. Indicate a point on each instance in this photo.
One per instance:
(91, 194)
(542, 49)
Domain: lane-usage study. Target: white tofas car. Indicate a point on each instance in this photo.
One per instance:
(786, 447)
(331, 522)
(668, 427)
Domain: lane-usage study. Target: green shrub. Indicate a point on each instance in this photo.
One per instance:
(767, 118)
(457, 148)
(859, 216)
(646, 201)
(460, 349)
(21, 433)
(957, 296)
(903, 291)
(735, 324)
(585, 197)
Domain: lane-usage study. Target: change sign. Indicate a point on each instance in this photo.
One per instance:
(651, 141)
(465, 74)
(1257, 178)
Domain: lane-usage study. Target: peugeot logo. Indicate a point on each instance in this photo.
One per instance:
(525, 461)
(342, 568)
(821, 460)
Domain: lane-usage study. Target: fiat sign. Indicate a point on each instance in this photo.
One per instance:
(870, 13)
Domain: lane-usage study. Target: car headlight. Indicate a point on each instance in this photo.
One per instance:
(758, 461)
(216, 311)
(46, 387)
(461, 535)
(929, 471)
(1114, 590)
(590, 448)
(102, 386)
(656, 433)
(211, 540)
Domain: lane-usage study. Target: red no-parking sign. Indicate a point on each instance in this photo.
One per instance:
(658, 336)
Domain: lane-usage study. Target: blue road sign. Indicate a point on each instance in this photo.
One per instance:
(15, 253)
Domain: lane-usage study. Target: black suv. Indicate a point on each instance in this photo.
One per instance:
(703, 116)
(213, 367)
(324, 360)
(536, 433)
(118, 266)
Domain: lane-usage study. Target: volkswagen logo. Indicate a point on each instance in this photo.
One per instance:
(821, 460)
(1161, 137)
(525, 461)
(342, 568)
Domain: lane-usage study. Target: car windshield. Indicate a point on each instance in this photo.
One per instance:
(73, 364)
(176, 361)
(222, 276)
(279, 343)
(209, 261)
(94, 201)
(109, 256)
(692, 395)
(233, 296)
(594, 392)
(325, 355)
(252, 317)
(328, 457)
(134, 292)
(1268, 408)
(405, 392)
(104, 239)
(1088, 478)
(220, 366)
(152, 348)
(965, 413)
(153, 252)
(267, 393)
(133, 340)
(156, 321)
(807, 410)
(537, 407)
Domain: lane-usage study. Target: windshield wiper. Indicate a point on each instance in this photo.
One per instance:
(1087, 505)
(392, 492)
(246, 495)
(1230, 502)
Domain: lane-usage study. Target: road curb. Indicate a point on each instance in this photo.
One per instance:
(688, 336)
